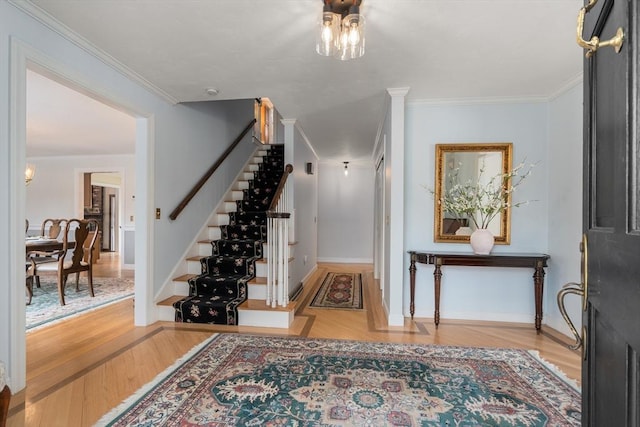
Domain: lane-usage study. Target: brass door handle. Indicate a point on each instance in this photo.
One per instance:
(584, 273)
(570, 288)
(576, 289)
(595, 43)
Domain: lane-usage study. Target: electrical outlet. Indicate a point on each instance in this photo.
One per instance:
(304, 260)
(131, 218)
(157, 213)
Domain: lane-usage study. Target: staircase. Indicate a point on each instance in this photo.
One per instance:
(229, 285)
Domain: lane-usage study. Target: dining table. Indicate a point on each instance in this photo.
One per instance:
(44, 244)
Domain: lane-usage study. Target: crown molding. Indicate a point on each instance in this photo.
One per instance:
(567, 86)
(480, 101)
(398, 91)
(296, 125)
(58, 27)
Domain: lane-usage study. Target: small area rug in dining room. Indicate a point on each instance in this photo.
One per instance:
(244, 380)
(339, 290)
(45, 306)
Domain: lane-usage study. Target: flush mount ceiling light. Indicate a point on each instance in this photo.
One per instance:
(341, 30)
(212, 91)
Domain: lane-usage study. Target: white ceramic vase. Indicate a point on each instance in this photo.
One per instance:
(482, 241)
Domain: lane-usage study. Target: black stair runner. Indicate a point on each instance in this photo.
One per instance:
(215, 294)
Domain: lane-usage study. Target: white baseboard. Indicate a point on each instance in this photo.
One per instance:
(347, 260)
(308, 275)
(491, 317)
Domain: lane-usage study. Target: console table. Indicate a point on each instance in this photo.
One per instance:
(527, 260)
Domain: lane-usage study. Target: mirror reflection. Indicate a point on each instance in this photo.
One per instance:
(462, 169)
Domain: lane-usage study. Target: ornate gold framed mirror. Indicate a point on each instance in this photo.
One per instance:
(470, 166)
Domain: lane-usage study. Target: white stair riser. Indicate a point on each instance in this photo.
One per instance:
(193, 267)
(204, 249)
(257, 159)
(258, 292)
(264, 250)
(237, 195)
(215, 233)
(181, 288)
(265, 318)
(230, 206)
(261, 267)
(223, 219)
(253, 167)
(242, 185)
(247, 175)
(166, 313)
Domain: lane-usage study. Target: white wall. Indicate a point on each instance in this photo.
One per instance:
(345, 213)
(565, 205)
(305, 252)
(194, 136)
(54, 192)
(467, 292)
(175, 145)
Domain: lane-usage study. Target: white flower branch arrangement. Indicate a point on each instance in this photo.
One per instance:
(480, 199)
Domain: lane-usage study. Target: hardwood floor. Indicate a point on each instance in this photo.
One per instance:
(80, 369)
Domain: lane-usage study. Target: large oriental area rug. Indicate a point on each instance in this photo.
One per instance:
(45, 308)
(276, 381)
(339, 290)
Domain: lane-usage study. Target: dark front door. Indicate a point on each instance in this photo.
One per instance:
(611, 368)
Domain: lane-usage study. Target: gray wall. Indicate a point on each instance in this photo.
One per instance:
(306, 210)
(565, 204)
(467, 292)
(175, 146)
(345, 213)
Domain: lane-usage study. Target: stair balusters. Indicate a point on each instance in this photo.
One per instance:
(278, 245)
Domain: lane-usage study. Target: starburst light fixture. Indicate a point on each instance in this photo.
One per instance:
(341, 30)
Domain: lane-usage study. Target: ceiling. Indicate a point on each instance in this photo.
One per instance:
(442, 50)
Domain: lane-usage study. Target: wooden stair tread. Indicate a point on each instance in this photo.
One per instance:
(184, 277)
(205, 241)
(169, 301)
(258, 281)
(257, 304)
(264, 260)
(195, 258)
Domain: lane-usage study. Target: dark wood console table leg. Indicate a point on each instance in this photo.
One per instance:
(412, 284)
(5, 397)
(538, 283)
(437, 275)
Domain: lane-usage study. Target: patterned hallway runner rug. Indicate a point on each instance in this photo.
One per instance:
(339, 290)
(45, 308)
(243, 380)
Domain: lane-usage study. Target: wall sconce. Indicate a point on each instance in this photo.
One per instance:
(29, 173)
(346, 168)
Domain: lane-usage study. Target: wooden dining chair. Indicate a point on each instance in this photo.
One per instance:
(51, 229)
(77, 233)
(30, 267)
